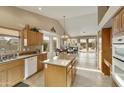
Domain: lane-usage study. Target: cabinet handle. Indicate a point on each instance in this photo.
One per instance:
(119, 39)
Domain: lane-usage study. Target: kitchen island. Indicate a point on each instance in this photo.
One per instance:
(60, 71)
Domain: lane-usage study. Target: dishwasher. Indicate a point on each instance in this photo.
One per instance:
(30, 66)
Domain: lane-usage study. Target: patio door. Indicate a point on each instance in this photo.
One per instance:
(91, 45)
(83, 45)
(88, 45)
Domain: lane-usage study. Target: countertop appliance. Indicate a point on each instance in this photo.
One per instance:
(30, 66)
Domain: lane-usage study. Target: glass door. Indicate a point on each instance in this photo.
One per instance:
(83, 45)
(88, 45)
(92, 45)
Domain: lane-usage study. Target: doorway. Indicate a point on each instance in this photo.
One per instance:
(88, 44)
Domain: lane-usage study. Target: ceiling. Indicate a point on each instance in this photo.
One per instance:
(80, 20)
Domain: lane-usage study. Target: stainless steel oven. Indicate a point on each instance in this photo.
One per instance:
(118, 48)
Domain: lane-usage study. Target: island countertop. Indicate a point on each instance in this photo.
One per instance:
(63, 60)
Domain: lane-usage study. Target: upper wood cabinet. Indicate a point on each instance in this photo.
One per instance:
(122, 20)
(31, 38)
(118, 23)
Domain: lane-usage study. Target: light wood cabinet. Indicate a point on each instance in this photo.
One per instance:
(69, 78)
(106, 50)
(44, 56)
(41, 58)
(31, 38)
(40, 65)
(59, 76)
(3, 78)
(15, 72)
(118, 24)
(55, 76)
(122, 20)
(11, 73)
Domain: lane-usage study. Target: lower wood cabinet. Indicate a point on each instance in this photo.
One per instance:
(69, 78)
(11, 73)
(40, 66)
(15, 75)
(3, 78)
(41, 58)
(59, 76)
(114, 84)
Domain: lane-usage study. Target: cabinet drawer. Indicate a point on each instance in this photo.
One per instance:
(15, 63)
(3, 67)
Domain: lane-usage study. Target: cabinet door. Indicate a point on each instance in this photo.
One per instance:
(74, 71)
(15, 72)
(40, 65)
(122, 20)
(45, 56)
(39, 38)
(69, 78)
(116, 24)
(3, 78)
(29, 38)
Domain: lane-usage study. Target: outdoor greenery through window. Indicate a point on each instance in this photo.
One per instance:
(45, 43)
(9, 44)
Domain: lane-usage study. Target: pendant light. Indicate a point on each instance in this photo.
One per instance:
(64, 36)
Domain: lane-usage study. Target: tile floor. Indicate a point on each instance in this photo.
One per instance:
(87, 74)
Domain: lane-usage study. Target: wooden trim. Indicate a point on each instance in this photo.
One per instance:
(118, 11)
(9, 35)
(114, 84)
(10, 28)
(7, 30)
(107, 63)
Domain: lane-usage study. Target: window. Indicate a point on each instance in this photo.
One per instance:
(83, 45)
(45, 43)
(54, 43)
(9, 43)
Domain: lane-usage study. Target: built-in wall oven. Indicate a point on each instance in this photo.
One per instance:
(118, 60)
(118, 48)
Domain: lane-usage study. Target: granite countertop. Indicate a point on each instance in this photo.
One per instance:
(60, 61)
(21, 57)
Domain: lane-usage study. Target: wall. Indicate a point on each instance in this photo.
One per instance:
(101, 12)
(16, 18)
(108, 15)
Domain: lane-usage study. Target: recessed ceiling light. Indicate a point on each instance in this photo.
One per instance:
(40, 8)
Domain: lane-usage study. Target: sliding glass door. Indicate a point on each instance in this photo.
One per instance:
(83, 45)
(91, 45)
(88, 44)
